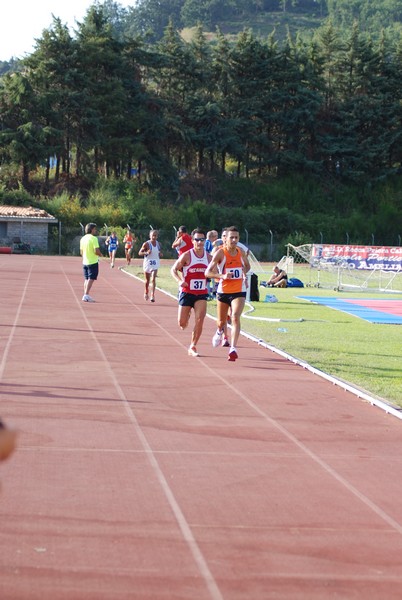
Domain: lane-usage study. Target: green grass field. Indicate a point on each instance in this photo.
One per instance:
(366, 355)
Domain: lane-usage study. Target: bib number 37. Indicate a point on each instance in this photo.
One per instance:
(197, 285)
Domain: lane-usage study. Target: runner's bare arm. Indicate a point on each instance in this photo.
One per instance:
(246, 262)
(144, 250)
(177, 269)
(212, 269)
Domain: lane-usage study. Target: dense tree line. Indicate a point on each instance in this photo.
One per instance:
(99, 103)
(153, 15)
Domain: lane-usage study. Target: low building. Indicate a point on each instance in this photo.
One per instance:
(27, 224)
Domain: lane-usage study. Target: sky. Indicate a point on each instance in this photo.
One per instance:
(21, 21)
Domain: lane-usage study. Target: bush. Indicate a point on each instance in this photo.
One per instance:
(15, 197)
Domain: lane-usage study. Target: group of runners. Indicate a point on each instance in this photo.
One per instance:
(224, 265)
(112, 243)
(227, 264)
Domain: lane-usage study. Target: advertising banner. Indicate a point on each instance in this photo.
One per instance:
(386, 258)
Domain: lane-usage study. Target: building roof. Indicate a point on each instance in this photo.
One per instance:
(25, 213)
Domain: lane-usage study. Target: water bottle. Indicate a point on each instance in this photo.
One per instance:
(282, 330)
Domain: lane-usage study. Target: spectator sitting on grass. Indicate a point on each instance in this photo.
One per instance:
(279, 278)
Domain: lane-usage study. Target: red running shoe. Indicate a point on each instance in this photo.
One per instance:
(232, 355)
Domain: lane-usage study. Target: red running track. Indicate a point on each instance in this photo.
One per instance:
(144, 474)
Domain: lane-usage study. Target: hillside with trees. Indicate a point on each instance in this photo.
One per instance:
(299, 134)
(264, 15)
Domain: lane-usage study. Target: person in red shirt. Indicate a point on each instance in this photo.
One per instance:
(189, 272)
(183, 241)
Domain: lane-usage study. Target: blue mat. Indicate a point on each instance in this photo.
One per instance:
(387, 311)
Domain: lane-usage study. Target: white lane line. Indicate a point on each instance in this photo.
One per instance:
(14, 326)
(185, 528)
(378, 402)
(314, 457)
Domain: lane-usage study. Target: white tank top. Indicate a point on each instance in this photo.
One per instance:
(152, 261)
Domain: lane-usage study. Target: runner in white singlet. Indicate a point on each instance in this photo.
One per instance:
(151, 251)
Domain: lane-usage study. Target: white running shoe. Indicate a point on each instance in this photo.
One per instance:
(192, 351)
(217, 339)
(84, 298)
(89, 299)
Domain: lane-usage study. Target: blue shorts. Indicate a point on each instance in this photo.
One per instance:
(227, 298)
(186, 299)
(91, 271)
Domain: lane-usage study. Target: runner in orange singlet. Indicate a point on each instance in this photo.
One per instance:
(128, 241)
(229, 265)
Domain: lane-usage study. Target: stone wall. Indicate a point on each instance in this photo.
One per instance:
(34, 234)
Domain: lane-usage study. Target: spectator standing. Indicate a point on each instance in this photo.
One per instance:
(183, 241)
(90, 252)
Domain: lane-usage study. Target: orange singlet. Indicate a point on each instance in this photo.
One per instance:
(128, 239)
(234, 265)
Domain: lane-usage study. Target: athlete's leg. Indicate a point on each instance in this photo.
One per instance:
(153, 284)
(200, 310)
(237, 309)
(146, 284)
(222, 310)
(184, 316)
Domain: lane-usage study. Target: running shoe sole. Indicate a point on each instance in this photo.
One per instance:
(232, 356)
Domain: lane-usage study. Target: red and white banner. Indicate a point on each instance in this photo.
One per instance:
(386, 258)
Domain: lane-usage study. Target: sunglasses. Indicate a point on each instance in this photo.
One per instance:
(199, 239)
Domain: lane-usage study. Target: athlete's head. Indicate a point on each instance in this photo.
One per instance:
(232, 236)
(199, 231)
(198, 236)
(90, 228)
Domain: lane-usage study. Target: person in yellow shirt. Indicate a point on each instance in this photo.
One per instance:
(90, 252)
